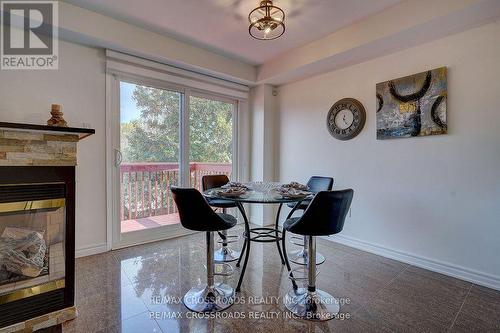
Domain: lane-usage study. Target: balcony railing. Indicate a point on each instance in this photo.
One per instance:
(145, 187)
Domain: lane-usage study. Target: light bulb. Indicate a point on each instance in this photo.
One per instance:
(267, 30)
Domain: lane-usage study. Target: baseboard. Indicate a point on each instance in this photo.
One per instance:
(90, 250)
(455, 271)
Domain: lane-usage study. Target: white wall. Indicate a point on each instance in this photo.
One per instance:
(79, 85)
(263, 113)
(435, 200)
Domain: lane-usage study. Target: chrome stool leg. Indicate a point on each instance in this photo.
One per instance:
(311, 303)
(212, 297)
(300, 257)
(225, 254)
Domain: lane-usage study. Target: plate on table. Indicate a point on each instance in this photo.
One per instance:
(231, 192)
(234, 185)
(295, 186)
(291, 193)
(295, 195)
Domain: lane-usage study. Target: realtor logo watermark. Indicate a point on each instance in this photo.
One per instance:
(29, 35)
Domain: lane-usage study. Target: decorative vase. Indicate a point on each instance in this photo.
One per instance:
(57, 119)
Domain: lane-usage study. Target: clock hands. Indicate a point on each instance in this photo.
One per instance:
(345, 121)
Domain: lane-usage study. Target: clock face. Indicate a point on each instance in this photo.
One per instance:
(346, 119)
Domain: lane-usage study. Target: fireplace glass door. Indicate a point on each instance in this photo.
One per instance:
(32, 248)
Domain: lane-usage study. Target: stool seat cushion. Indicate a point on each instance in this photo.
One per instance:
(221, 203)
(229, 219)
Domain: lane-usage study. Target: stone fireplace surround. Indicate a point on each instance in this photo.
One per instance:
(37, 155)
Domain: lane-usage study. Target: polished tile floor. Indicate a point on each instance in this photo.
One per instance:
(138, 289)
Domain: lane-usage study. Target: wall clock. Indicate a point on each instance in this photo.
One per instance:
(346, 119)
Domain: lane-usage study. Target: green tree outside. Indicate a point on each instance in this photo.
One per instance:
(154, 136)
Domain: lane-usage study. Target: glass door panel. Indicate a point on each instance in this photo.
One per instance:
(150, 163)
(211, 138)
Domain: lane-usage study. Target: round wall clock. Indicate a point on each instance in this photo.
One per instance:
(346, 119)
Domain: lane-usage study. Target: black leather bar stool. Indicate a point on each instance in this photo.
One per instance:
(324, 216)
(224, 254)
(196, 214)
(315, 184)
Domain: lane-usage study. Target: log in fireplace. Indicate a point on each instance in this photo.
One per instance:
(37, 226)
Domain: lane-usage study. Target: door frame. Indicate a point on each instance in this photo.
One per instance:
(114, 238)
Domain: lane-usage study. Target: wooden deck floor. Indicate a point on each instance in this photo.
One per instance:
(149, 222)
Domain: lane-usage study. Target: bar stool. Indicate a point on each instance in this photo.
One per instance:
(324, 216)
(315, 184)
(224, 254)
(196, 214)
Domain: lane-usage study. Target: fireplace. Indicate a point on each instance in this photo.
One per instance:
(36, 233)
(37, 225)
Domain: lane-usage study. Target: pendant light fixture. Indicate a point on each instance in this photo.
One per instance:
(266, 21)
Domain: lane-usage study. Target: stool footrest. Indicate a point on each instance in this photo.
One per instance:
(295, 240)
(226, 241)
(300, 274)
(229, 239)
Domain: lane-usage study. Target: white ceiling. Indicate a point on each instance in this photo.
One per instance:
(222, 25)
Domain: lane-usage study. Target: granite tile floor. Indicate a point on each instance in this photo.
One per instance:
(139, 289)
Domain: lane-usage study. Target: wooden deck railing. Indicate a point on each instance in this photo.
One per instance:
(145, 187)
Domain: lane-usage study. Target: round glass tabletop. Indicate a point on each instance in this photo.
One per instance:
(258, 192)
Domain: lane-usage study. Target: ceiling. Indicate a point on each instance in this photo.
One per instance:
(222, 25)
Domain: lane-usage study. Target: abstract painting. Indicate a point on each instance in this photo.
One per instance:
(412, 106)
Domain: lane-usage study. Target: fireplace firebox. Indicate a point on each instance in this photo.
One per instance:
(37, 241)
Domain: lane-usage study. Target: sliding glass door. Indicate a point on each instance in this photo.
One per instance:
(150, 146)
(167, 136)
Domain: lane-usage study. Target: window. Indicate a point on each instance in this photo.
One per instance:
(151, 122)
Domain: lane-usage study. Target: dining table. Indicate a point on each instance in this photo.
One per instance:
(265, 193)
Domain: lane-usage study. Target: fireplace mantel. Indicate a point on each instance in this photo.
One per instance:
(81, 132)
(39, 145)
